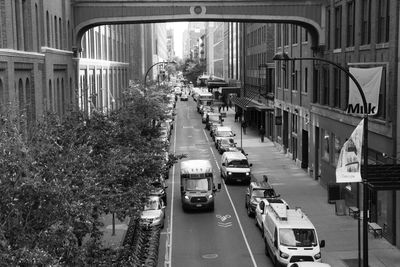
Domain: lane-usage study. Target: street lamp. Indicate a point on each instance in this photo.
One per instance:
(161, 62)
(286, 57)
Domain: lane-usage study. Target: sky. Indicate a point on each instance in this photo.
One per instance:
(178, 27)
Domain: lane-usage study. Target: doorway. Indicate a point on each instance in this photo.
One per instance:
(304, 149)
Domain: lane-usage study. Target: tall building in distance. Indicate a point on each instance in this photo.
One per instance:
(170, 44)
(190, 39)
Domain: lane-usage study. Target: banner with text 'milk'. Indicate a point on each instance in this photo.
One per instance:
(370, 82)
(348, 169)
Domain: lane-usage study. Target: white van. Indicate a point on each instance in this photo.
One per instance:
(235, 167)
(289, 235)
(198, 185)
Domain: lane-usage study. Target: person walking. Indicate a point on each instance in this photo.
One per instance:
(236, 116)
(262, 133)
(244, 126)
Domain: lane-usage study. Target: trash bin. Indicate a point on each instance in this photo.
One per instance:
(333, 193)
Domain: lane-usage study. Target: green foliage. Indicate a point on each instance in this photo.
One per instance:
(59, 179)
(192, 70)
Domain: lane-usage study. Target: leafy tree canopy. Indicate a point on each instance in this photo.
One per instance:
(57, 180)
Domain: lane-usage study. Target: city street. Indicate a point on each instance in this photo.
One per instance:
(225, 237)
(232, 239)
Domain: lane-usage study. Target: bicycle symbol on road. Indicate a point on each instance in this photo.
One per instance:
(223, 218)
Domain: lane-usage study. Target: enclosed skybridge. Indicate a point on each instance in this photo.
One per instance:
(308, 14)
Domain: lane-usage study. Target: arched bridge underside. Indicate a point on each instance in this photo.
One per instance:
(308, 14)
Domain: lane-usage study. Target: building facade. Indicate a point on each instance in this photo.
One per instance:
(36, 64)
(312, 98)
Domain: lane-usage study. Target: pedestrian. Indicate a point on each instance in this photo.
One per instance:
(236, 116)
(219, 109)
(244, 126)
(262, 133)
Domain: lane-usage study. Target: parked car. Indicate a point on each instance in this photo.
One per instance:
(159, 189)
(222, 131)
(214, 126)
(178, 91)
(184, 97)
(255, 192)
(225, 144)
(153, 214)
(308, 264)
(213, 117)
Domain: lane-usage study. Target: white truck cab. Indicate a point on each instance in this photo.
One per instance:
(289, 235)
(198, 185)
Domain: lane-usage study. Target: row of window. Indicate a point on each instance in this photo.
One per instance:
(105, 42)
(345, 11)
(256, 37)
(286, 33)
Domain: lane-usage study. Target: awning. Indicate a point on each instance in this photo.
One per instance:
(383, 177)
(247, 103)
(216, 84)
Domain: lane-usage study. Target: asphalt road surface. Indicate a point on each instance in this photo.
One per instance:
(224, 237)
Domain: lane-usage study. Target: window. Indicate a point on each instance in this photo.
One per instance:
(365, 22)
(294, 77)
(337, 87)
(305, 90)
(337, 148)
(285, 34)
(325, 81)
(350, 24)
(383, 21)
(294, 34)
(285, 75)
(328, 26)
(338, 27)
(48, 28)
(325, 145)
(294, 123)
(278, 35)
(55, 33)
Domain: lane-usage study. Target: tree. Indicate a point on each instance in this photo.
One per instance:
(59, 179)
(193, 69)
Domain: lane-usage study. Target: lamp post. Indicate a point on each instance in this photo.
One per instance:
(148, 70)
(285, 57)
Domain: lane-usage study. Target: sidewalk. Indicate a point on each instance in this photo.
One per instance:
(300, 190)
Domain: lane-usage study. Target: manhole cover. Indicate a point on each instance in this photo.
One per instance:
(210, 256)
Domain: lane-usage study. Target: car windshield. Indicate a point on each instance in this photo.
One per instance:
(297, 237)
(152, 204)
(224, 133)
(227, 142)
(238, 163)
(197, 184)
(213, 117)
(258, 192)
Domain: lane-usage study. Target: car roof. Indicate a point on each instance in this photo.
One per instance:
(224, 128)
(234, 155)
(260, 185)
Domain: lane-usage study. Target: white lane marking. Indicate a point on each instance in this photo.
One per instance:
(236, 214)
(168, 247)
(205, 134)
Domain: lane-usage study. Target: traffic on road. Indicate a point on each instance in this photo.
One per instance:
(219, 214)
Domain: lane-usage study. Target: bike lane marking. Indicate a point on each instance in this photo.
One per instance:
(233, 206)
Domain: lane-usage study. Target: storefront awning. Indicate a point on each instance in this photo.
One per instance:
(383, 177)
(247, 103)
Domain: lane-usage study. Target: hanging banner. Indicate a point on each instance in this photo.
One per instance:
(370, 82)
(348, 169)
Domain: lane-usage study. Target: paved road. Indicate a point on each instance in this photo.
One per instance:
(225, 237)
